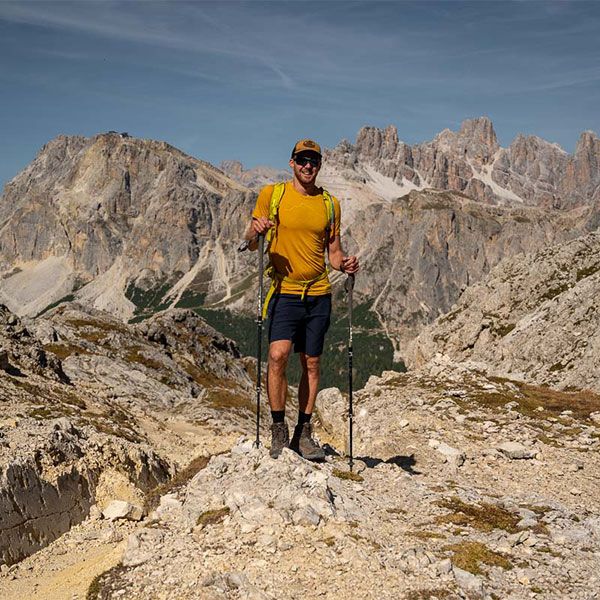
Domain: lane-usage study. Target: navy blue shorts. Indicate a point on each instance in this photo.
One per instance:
(303, 321)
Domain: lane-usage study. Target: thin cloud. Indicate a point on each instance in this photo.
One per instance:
(114, 22)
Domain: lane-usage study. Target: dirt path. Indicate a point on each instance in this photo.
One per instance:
(57, 573)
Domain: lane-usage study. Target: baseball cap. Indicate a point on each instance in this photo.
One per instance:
(306, 146)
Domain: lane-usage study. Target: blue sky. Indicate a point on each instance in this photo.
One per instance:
(245, 80)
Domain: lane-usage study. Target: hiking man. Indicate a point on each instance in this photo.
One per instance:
(304, 223)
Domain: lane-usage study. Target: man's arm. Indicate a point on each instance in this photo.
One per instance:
(338, 260)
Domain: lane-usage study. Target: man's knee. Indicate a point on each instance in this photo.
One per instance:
(312, 364)
(278, 356)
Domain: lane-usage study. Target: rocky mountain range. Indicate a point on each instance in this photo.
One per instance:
(133, 226)
(256, 177)
(530, 171)
(111, 217)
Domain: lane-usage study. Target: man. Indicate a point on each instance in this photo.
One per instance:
(300, 301)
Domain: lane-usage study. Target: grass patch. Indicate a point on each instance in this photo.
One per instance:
(201, 376)
(67, 298)
(108, 326)
(65, 350)
(225, 400)
(469, 556)
(213, 517)
(175, 483)
(135, 354)
(396, 511)
(538, 510)
(43, 414)
(347, 475)
(100, 587)
(547, 550)
(529, 397)
(505, 329)
(582, 273)
(483, 516)
(426, 535)
(428, 594)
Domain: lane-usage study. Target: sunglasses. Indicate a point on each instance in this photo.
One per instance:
(302, 161)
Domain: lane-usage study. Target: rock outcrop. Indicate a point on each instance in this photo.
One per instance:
(50, 475)
(96, 410)
(535, 318)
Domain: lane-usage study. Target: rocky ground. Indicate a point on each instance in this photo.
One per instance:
(464, 487)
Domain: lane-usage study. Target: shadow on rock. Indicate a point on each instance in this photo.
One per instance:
(406, 463)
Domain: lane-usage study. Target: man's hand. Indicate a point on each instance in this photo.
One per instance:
(349, 265)
(257, 227)
(261, 225)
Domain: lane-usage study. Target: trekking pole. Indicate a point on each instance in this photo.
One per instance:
(259, 323)
(349, 287)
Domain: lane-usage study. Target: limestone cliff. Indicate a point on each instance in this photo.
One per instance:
(535, 318)
(100, 216)
(421, 251)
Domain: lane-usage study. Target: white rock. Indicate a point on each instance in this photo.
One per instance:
(467, 581)
(444, 566)
(515, 450)
(306, 516)
(451, 454)
(244, 446)
(119, 509)
(169, 501)
(528, 522)
(518, 538)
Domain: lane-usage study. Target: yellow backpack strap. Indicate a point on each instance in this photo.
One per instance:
(276, 196)
(330, 213)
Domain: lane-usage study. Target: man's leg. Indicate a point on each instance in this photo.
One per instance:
(302, 441)
(316, 323)
(309, 382)
(279, 352)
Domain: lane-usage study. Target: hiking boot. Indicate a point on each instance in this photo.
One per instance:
(280, 439)
(303, 443)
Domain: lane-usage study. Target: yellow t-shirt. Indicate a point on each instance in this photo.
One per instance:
(298, 247)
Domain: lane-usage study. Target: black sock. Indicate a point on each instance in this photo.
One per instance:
(303, 417)
(278, 416)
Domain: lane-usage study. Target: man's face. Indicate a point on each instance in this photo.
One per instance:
(306, 166)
